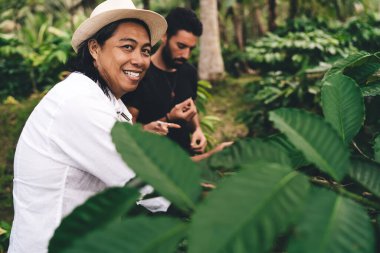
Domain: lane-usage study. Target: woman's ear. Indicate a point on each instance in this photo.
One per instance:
(93, 48)
(164, 38)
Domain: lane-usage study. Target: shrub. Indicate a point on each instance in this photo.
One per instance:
(293, 52)
(13, 116)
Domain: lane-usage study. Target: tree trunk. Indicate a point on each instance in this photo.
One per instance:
(293, 9)
(338, 10)
(146, 4)
(211, 66)
(237, 19)
(257, 27)
(272, 15)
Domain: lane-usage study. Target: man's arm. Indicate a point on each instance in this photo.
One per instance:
(135, 113)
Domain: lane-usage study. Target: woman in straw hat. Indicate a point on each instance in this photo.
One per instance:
(65, 153)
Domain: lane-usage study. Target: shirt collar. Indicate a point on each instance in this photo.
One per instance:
(123, 115)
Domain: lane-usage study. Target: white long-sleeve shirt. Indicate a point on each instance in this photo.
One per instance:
(65, 154)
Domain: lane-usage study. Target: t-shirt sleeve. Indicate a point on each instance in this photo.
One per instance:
(195, 87)
(134, 98)
(81, 134)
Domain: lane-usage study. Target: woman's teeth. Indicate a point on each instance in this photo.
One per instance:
(132, 74)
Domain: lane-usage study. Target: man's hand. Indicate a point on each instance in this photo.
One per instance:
(198, 141)
(185, 110)
(159, 127)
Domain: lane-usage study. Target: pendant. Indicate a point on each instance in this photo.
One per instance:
(172, 94)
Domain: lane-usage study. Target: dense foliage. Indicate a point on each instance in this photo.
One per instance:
(293, 60)
(304, 190)
(13, 115)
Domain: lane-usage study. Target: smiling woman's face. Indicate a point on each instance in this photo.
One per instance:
(123, 59)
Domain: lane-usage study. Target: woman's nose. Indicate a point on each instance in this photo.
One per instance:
(137, 58)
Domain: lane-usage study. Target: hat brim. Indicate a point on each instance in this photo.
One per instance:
(155, 22)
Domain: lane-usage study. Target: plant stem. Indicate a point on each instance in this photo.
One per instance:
(340, 189)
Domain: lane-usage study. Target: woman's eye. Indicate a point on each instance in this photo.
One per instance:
(146, 52)
(128, 47)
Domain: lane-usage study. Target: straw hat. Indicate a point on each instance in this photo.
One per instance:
(113, 10)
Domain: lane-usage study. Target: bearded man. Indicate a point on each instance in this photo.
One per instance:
(169, 89)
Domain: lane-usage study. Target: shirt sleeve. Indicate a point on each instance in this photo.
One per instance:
(134, 98)
(81, 136)
(194, 78)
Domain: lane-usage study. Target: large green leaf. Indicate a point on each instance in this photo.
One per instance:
(353, 60)
(280, 141)
(248, 211)
(137, 235)
(97, 212)
(247, 151)
(367, 173)
(372, 89)
(333, 224)
(315, 138)
(159, 162)
(343, 105)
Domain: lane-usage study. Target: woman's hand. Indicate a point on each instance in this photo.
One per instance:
(159, 127)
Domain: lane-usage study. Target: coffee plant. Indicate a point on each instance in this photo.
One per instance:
(308, 188)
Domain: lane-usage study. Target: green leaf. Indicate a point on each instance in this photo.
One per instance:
(205, 84)
(97, 212)
(137, 235)
(249, 210)
(247, 151)
(362, 72)
(367, 173)
(281, 142)
(343, 105)
(333, 224)
(356, 59)
(376, 149)
(315, 138)
(371, 89)
(159, 162)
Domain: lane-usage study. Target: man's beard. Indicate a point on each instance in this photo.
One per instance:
(171, 63)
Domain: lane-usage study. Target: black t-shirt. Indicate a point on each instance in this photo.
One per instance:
(159, 92)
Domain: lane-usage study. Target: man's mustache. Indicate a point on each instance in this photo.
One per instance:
(181, 59)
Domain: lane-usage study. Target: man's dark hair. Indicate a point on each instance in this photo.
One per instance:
(83, 61)
(183, 19)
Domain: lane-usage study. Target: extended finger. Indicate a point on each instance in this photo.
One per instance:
(173, 125)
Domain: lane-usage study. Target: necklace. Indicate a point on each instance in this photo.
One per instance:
(171, 78)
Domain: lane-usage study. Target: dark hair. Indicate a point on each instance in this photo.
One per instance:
(183, 19)
(84, 63)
